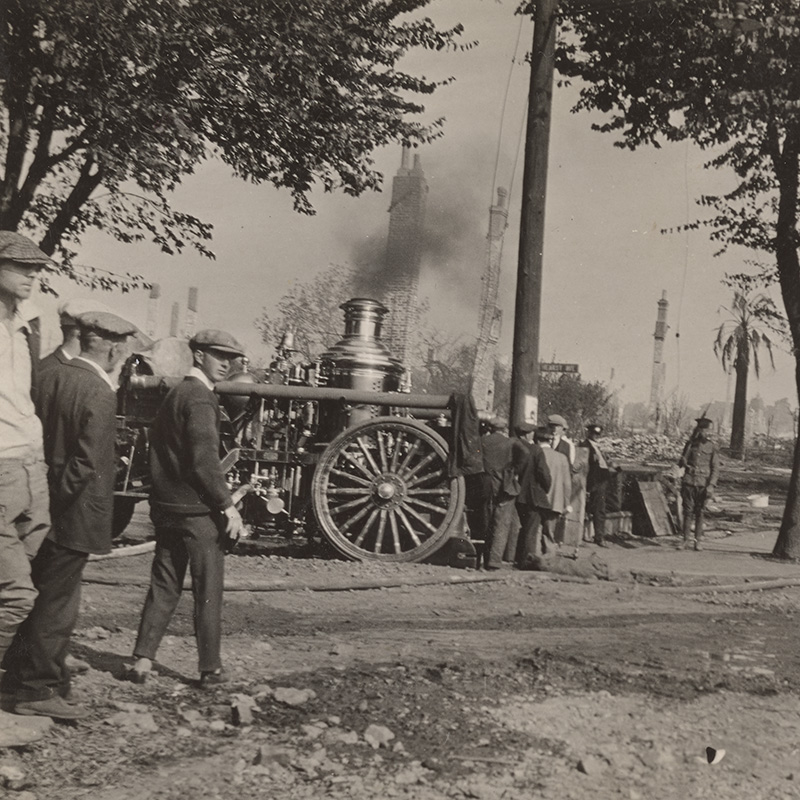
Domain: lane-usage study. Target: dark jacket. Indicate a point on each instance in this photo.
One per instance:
(184, 452)
(701, 461)
(596, 474)
(534, 476)
(54, 359)
(498, 453)
(78, 412)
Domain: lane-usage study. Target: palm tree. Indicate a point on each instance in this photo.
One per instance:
(739, 341)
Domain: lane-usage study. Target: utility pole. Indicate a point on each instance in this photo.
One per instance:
(527, 310)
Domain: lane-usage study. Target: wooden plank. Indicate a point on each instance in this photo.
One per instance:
(655, 508)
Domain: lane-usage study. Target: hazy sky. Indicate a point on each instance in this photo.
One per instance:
(606, 263)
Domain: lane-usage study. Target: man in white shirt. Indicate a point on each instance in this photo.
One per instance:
(24, 501)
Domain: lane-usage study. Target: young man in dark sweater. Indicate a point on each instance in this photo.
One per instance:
(191, 508)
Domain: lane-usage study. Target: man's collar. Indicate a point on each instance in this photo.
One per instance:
(196, 372)
(98, 369)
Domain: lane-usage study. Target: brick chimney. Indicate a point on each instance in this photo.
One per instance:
(403, 255)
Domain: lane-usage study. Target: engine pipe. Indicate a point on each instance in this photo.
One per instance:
(281, 391)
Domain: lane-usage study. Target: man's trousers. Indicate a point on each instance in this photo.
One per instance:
(24, 523)
(529, 544)
(693, 499)
(181, 541)
(35, 662)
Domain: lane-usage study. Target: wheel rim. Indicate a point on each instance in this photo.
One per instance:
(381, 491)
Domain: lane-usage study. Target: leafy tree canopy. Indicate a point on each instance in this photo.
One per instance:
(578, 401)
(108, 106)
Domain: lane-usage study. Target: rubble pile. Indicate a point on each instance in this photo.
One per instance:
(642, 447)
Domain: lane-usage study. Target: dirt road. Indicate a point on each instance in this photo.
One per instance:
(517, 687)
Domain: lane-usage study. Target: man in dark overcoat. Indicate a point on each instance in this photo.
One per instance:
(534, 484)
(77, 405)
(191, 508)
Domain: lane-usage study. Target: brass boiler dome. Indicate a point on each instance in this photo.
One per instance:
(361, 360)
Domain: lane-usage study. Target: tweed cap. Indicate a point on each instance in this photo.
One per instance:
(497, 423)
(72, 309)
(20, 249)
(212, 339)
(524, 428)
(557, 419)
(106, 324)
(543, 434)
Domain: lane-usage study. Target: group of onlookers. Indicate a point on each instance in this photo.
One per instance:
(540, 492)
(57, 475)
(531, 497)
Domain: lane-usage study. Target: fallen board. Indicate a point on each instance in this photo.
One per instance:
(653, 516)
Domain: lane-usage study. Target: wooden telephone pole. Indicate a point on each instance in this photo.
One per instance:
(527, 310)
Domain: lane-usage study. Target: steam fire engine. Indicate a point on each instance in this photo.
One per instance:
(334, 445)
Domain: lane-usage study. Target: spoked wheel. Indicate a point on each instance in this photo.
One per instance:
(381, 491)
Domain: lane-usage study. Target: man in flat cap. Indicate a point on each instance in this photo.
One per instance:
(700, 461)
(597, 478)
(501, 467)
(68, 313)
(25, 519)
(191, 508)
(534, 484)
(561, 443)
(77, 406)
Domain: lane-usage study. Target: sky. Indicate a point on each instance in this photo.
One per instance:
(606, 263)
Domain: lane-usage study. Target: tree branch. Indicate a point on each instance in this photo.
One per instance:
(86, 184)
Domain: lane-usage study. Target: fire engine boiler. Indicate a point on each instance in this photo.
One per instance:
(338, 451)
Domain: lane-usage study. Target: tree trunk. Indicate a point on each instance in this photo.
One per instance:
(786, 170)
(742, 366)
(788, 542)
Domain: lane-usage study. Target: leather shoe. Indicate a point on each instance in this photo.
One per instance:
(214, 678)
(698, 546)
(139, 676)
(55, 707)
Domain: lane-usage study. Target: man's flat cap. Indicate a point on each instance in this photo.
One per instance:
(73, 308)
(212, 339)
(20, 249)
(593, 427)
(106, 323)
(704, 422)
(524, 428)
(497, 423)
(557, 419)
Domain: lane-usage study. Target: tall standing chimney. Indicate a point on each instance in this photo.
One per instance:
(176, 315)
(403, 256)
(659, 367)
(482, 388)
(152, 310)
(191, 313)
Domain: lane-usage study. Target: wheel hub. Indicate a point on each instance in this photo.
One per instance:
(388, 490)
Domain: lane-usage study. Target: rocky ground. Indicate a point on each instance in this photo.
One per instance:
(437, 683)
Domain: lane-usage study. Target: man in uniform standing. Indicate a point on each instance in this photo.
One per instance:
(596, 483)
(700, 460)
(24, 514)
(77, 404)
(191, 508)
